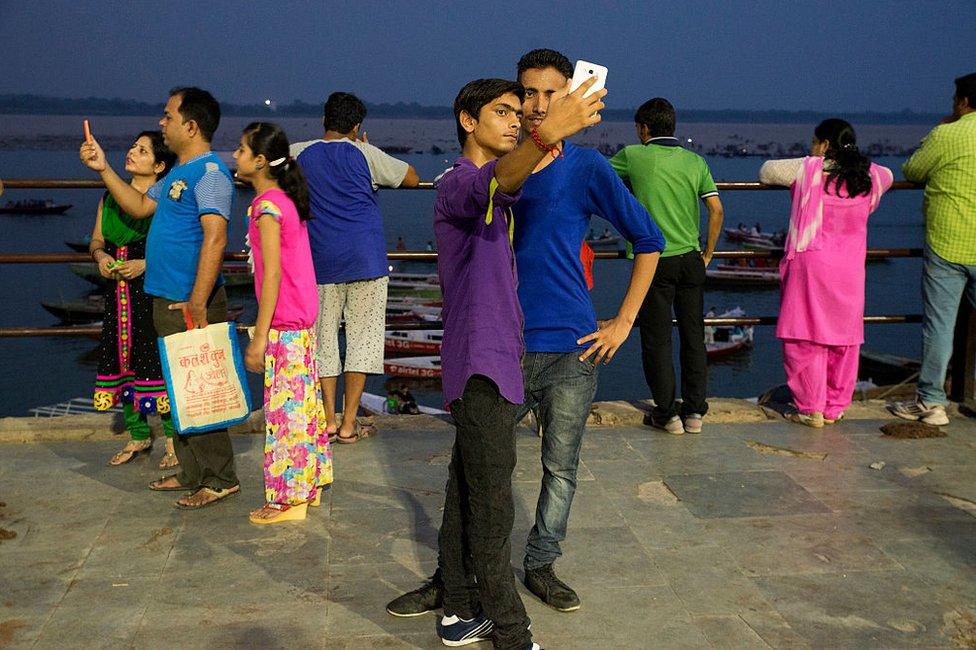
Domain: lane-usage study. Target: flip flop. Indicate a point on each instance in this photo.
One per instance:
(360, 431)
(217, 495)
(168, 461)
(156, 485)
(126, 455)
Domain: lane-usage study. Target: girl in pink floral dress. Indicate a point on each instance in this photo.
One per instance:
(297, 458)
(821, 318)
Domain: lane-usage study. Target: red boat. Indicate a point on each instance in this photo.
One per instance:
(422, 367)
(415, 341)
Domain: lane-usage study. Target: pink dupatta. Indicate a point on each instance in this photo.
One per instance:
(806, 213)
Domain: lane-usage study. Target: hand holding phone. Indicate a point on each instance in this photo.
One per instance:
(569, 114)
(583, 71)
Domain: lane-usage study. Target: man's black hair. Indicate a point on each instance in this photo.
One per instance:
(477, 94)
(342, 111)
(658, 116)
(966, 87)
(543, 58)
(201, 107)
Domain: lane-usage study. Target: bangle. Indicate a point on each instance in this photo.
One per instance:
(552, 150)
(92, 254)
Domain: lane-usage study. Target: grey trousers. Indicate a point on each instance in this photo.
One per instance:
(206, 459)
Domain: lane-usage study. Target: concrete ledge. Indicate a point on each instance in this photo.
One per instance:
(620, 413)
(721, 410)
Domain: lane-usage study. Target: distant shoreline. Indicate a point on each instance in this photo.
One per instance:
(22, 104)
(21, 132)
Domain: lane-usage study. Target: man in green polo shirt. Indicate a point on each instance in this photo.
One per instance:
(670, 181)
(946, 163)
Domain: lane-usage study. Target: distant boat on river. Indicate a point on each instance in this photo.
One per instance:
(34, 206)
(236, 274)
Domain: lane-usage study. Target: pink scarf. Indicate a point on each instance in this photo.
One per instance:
(806, 214)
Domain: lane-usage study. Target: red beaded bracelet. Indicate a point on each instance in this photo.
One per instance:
(552, 150)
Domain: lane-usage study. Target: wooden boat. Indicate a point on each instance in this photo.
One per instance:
(236, 274)
(737, 234)
(885, 369)
(762, 246)
(425, 293)
(414, 280)
(747, 236)
(604, 242)
(79, 246)
(743, 275)
(425, 312)
(728, 339)
(408, 302)
(87, 310)
(92, 309)
(376, 404)
(423, 367)
(415, 341)
(34, 206)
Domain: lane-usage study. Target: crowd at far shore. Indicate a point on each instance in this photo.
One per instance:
(510, 222)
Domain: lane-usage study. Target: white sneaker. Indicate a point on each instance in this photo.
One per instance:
(918, 410)
(693, 423)
(813, 420)
(672, 426)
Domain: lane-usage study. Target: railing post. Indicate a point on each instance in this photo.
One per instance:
(964, 357)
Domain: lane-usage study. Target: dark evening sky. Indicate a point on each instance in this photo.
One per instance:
(851, 55)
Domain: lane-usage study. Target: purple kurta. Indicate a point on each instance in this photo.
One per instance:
(481, 313)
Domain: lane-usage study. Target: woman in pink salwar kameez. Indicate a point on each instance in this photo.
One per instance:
(821, 319)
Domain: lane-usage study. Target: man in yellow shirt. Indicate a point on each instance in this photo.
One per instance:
(946, 163)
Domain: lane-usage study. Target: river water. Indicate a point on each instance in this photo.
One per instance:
(47, 370)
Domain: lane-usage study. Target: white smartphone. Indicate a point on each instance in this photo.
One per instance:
(584, 70)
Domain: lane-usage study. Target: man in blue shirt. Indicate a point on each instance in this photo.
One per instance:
(343, 172)
(564, 343)
(184, 252)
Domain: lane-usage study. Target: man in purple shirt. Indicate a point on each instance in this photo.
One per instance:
(482, 349)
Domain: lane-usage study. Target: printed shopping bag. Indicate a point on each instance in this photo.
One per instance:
(204, 372)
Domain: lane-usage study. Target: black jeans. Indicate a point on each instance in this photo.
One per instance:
(679, 283)
(475, 549)
(206, 459)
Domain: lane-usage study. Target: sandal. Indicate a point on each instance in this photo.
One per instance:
(333, 431)
(275, 513)
(132, 449)
(159, 484)
(169, 459)
(359, 432)
(206, 496)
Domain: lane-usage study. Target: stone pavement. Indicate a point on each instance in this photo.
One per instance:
(746, 536)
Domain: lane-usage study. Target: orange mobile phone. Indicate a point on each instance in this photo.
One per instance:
(87, 131)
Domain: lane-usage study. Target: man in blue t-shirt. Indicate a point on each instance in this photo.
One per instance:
(564, 343)
(184, 252)
(344, 172)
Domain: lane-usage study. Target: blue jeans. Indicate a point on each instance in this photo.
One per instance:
(559, 388)
(943, 285)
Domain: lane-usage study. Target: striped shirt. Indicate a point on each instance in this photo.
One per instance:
(946, 163)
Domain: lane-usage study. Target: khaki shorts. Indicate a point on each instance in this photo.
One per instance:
(362, 304)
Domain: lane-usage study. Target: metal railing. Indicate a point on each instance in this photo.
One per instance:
(964, 352)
